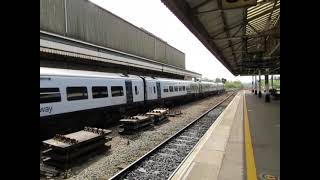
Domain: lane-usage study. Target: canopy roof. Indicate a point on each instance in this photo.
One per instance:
(244, 38)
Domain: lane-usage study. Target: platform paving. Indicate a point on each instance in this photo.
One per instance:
(221, 153)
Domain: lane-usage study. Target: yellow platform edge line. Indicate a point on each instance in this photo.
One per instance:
(250, 162)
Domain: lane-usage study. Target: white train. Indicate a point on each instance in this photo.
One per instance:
(71, 98)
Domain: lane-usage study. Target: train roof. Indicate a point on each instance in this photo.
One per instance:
(207, 82)
(44, 71)
(166, 79)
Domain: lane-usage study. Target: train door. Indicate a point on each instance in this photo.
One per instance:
(129, 94)
(158, 90)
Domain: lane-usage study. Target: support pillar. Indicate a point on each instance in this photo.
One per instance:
(266, 80)
(255, 85)
(271, 81)
(260, 94)
(252, 85)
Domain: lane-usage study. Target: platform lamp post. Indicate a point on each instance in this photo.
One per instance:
(260, 95)
(266, 80)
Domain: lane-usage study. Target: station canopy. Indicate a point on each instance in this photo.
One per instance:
(244, 35)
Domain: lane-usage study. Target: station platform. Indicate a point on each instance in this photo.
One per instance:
(243, 143)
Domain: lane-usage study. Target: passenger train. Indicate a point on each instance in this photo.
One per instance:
(76, 98)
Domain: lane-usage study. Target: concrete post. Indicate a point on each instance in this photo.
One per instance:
(260, 95)
(255, 85)
(266, 80)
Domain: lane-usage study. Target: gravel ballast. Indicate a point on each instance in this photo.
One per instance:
(125, 149)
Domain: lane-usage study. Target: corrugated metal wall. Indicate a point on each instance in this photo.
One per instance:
(90, 23)
(161, 51)
(52, 16)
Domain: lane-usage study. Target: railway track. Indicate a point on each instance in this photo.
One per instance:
(162, 161)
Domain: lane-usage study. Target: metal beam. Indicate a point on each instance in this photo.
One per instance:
(259, 9)
(253, 66)
(277, 20)
(243, 45)
(201, 4)
(228, 34)
(269, 60)
(247, 36)
(275, 69)
(258, 66)
(263, 13)
(236, 50)
(259, 22)
(212, 10)
(268, 23)
(228, 28)
(263, 2)
(273, 8)
(274, 49)
(253, 28)
(233, 35)
(231, 45)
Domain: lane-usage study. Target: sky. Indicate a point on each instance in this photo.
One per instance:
(155, 17)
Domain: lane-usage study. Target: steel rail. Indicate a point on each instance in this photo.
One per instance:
(126, 170)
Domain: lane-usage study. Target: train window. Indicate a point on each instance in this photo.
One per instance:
(183, 88)
(180, 88)
(117, 91)
(171, 88)
(176, 88)
(99, 92)
(136, 90)
(49, 95)
(154, 89)
(165, 89)
(77, 93)
(194, 87)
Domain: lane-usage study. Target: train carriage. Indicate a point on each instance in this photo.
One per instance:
(73, 98)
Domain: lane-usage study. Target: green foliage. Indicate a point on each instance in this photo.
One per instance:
(233, 85)
(276, 84)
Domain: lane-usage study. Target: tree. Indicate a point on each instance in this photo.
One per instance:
(224, 80)
(233, 85)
